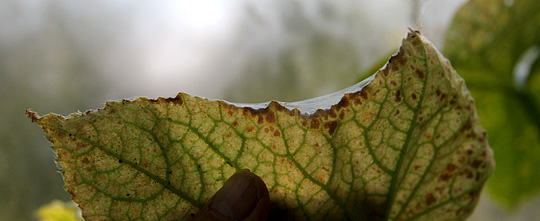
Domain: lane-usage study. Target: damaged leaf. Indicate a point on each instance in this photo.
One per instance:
(403, 144)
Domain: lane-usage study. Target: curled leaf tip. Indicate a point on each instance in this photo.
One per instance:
(32, 115)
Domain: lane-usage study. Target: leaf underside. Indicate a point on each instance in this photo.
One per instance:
(406, 145)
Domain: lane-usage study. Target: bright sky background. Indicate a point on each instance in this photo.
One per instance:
(158, 48)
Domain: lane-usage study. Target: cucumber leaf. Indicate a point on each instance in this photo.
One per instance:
(403, 144)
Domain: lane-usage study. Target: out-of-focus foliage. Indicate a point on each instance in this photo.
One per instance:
(487, 43)
(59, 211)
(46, 69)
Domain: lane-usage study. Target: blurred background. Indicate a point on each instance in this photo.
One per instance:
(65, 56)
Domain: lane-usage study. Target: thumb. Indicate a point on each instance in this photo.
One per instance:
(243, 197)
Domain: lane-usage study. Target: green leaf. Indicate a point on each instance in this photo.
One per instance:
(486, 43)
(403, 144)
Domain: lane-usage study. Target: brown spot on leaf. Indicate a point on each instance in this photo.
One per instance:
(414, 96)
(440, 189)
(384, 72)
(246, 111)
(364, 94)
(343, 103)
(476, 163)
(357, 101)
(398, 96)
(176, 100)
(315, 123)
(443, 96)
(419, 74)
(462, 211)
(474, 194)
(483, 137)
(430, 199)
(271, 117)
(71, 191)
(445, 177)
(277, 133)
(85, 160)
(450, 167)
(332, 113)
(469, 174)
(331, 127)
(263, 114)
(398, 58)
(59, 133)
(453, 101)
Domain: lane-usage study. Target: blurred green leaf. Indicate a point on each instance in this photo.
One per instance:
(485, 43)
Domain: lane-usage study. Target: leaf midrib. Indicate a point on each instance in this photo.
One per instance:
(393, 186)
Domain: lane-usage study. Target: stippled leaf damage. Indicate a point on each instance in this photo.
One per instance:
(404, 144)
